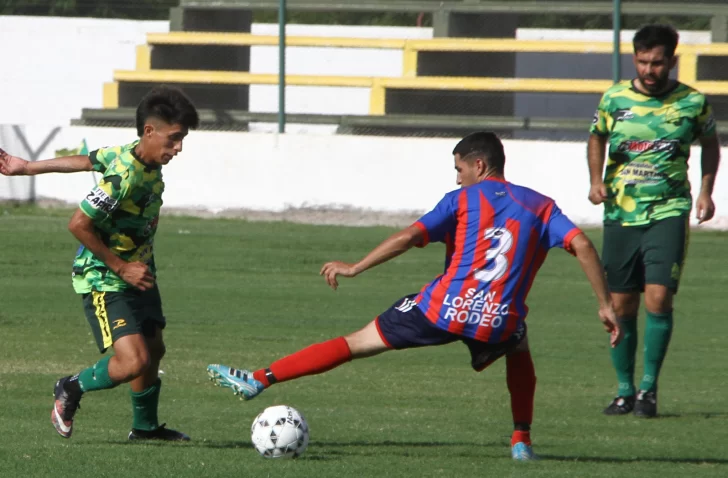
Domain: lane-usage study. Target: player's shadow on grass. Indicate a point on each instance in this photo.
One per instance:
(219, 445)
(193, 443)
(706, 415)
(333, 450)
(342, 450)
(404, 444)
(614, 459)
(334, 445)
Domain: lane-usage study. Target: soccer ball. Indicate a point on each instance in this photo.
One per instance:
(280, 432)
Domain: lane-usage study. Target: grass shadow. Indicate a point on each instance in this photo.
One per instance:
(614, 459)
(706, 415)
(322, 450)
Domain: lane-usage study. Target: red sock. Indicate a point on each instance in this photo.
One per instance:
(521, 436)
(521, 379)
(317, 358)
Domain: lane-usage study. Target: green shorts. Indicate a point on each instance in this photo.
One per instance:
(637, 255)
(113, 315)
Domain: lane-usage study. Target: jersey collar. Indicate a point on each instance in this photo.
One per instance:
(138, 158)
(662, 94)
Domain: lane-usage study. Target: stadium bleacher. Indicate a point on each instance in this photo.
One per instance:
(441, 89)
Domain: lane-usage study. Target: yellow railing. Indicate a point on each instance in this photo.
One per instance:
(687, 54)
(238, 78)
(377, 97)
(687, 65)
(242, 39)
(111, 90)
(247, 39)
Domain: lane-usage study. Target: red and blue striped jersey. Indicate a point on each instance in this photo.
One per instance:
(497, 235)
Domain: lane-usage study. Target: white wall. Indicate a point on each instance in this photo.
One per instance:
(220, 170)
(54, 67)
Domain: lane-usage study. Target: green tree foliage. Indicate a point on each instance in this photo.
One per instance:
(159, 10)
(131, 9)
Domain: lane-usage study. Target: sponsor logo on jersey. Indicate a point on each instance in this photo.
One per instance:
(150, 226)
(98, 199)
(658, 145)
(149, 199)
(622, 115)
(595, 118)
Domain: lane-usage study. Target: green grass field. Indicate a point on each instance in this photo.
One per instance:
(246, 293)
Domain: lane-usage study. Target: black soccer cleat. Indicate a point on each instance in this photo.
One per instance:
(65, 405)
(620, 406)
(646, 405)
(160, 433)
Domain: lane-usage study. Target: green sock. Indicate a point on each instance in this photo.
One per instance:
(657, 336)
(96, 377)
(623, 356)
(145, 405)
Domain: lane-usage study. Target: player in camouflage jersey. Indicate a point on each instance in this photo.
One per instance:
(114, 269)
(129, 232)
(649, 124)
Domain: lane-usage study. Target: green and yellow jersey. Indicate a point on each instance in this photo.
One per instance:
(649, 146)
(124, 207)
(99, 162)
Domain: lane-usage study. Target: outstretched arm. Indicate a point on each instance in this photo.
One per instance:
(15, 166)
(592, 267)
(390, 248)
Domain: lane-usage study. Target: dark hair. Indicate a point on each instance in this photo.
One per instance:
(484, 145)
(651, 36)
(168, 104)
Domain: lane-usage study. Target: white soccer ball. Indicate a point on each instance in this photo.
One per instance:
(280, 432)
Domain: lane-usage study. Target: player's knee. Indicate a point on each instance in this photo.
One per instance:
(624, 310)
(520, 348)
(135, 365)
(357, 346)
(157, 351)
(658, 300)
(365, 343)
(626, 305)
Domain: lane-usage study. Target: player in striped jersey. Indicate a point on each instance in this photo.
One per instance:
(497, 236)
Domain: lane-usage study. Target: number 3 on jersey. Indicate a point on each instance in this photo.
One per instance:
(501, 242)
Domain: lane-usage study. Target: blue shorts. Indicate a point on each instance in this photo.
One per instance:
(404, 326)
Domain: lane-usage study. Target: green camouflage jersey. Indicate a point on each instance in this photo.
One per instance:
(124, 207)
(649, 147)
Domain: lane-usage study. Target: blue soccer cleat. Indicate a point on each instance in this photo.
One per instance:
(241, 382)
(522, 452)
